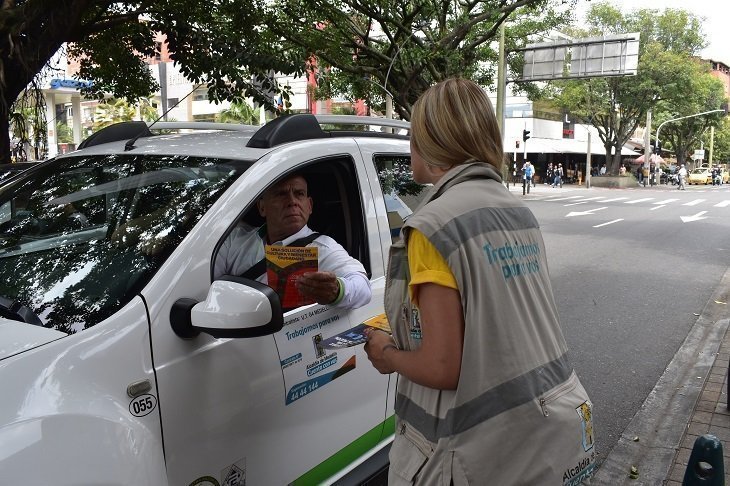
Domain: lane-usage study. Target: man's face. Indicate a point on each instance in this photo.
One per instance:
(286, 207)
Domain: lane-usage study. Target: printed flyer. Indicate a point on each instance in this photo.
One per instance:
(283, 265)
(356, 335)
(306, 364)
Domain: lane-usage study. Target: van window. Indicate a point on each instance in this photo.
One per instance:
(337, 212)
(85, 234)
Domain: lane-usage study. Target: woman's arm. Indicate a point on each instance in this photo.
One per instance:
(437, 363)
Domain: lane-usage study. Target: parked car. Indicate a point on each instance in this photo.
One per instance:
(700, 175)
(123, 362)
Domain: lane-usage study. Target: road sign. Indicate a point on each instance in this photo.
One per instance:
(610, 55)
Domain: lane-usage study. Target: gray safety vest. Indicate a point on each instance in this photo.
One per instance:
(519, 414)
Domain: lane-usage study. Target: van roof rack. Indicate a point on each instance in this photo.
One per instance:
(286, 128)
(114, 133)
(291, 128)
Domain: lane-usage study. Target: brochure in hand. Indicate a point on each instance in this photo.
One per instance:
(283, 265)
(356, 335)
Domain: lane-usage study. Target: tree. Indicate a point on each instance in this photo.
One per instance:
(214, 43)
(704, 93)
(363, 50)
(617, 106)
(64, 133)
(720, 142)
(239, 112)
(115, 110)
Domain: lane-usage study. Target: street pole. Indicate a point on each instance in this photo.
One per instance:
(712, 143)
(501, 95)
(388, 110)
(682, 118)
(588, 161)
(647, 141)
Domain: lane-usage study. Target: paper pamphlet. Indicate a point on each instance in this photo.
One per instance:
(356, 335)
(283, 265)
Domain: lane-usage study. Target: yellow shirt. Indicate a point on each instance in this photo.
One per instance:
(426, 265)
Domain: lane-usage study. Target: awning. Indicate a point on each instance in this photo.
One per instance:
(654, 158)
(563, 146)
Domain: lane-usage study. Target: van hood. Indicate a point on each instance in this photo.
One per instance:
(17, 337)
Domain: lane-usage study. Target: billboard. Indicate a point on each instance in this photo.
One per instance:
(610, 55)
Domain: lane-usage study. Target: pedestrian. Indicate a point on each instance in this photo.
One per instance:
(484, 379)
(558, 180)
(682, 174)
(549, 173)
(527, 171)
(603, 169)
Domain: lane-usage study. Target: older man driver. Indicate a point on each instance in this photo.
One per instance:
(286, 207)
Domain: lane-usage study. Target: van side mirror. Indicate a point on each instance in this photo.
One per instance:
(235, 307)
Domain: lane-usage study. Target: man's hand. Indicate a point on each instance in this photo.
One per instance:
(322, 287)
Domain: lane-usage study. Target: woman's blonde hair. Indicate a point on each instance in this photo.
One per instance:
(453, 123)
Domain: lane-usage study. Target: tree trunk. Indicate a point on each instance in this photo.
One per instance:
(612, 164)
(4, 135)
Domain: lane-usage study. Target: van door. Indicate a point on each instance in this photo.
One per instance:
(273, 409)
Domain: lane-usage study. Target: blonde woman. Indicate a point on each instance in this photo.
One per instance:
(486, 394)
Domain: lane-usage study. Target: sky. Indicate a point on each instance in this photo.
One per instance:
(716, 14)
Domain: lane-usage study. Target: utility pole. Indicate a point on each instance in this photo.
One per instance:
(588, 161)
(501, 89)
(647, 141)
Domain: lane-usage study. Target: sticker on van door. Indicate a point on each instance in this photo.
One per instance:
(307, 365)
(142, 405)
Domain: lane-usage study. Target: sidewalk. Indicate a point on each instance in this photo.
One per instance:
(689, 400)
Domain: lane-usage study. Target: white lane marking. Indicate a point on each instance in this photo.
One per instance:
(695, 217)
(583, 213)
(658, 207)
(693, 203)
(576, 203)
(639, 200)
(563, 198)
(722, 204)
(666, 201)
(610, 222)
(615, 199)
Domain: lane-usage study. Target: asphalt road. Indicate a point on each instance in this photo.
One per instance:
(631, 271)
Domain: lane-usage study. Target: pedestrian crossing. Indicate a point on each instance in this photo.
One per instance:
(575, 200)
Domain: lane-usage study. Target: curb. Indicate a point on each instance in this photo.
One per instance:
(671, 409)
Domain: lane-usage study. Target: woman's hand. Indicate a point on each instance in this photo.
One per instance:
(379, 347)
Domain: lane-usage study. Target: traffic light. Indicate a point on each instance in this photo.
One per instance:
(658, 146)
(517, 144)
(525, 135)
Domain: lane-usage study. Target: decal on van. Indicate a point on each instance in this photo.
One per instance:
(303, 389)
(205, 481)
(142, 405)
(308, 365)
(235, 474)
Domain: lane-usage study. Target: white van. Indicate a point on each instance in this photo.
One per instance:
(122, 362)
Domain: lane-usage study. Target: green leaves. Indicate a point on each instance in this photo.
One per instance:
(667, 79)
(367, 50)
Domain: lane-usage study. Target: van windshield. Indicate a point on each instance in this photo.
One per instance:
(81, 236)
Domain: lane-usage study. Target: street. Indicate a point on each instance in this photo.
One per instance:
(631, 269)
